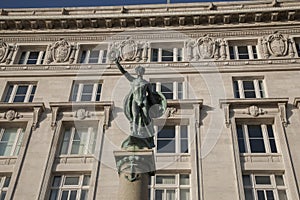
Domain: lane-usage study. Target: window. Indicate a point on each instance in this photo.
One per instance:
(264, 187)
(32, 57)
(249, 88)
(172, 139)
(78, 140)
(93, 55)
(243, 50)
(256, 138)
(10, 141)
(4, 183)
(166, 54)
(86, 91)
(171, 89)
(170, 187)
(70, 187)
(20, 93)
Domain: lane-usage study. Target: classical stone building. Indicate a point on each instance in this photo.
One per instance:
(230, 72)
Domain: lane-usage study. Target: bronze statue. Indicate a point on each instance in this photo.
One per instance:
(141, 105)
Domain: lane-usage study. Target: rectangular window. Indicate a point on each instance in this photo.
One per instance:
(264, 187)
(78, 140)
(32, 57)
(243, 52)
(10, 141)
(256, 138)
(93, 56)
(170, 186)
(171, 90)
(172, 139)
(70, 187)
(86, 91)
(20, 93)
(166, 54)
(249, 88)
(4, 184)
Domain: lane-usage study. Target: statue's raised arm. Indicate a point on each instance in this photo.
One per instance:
(123, 71)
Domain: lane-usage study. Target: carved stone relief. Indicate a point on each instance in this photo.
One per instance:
(6, 52)
(131, 50)
(60, 52)
(276, 45)
(11, 115)
(206, 47)
(255, 111)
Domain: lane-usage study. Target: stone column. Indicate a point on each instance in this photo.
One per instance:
(135, 169)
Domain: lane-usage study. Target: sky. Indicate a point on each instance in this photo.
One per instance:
(76, 3)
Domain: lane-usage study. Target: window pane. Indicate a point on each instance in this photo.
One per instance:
(263, 180)
(21, 93)
(231, 52)
(241, 139)
(249, 90)
(248, 194)
(74, 92)
(32, 93)
(184, 194)
(236, 89)
(180, 91)
(83, 57)
(261, 195)
(279, 180)
(270, 195)
(170, 180)
(22, 58)
(170, 194)
(261, 89)
(71, 180)
(8, 94)
(94, 56)
(246, 180)
(86, 180)
(184, 143)
(154, 56)
(66, 142)
(184, 179)
(282, 195)
(159, 195)
(98, 92)
(167, 90)
(56, 181)
(84, 195)
(256, 139)
(87, 92)
(104, 56)
(167, 55)
(73, 195)
(33, 56)
(65, 195)
(243, 52)
(179, 54)
(166, 140)
(254, 52)
(53, 195)
(7, 181)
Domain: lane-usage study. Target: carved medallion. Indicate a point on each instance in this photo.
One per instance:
(10, 115)
(206, 47)
(3, 51)
(81, 114)
(277, 44)
(61, 51)
(128, 50)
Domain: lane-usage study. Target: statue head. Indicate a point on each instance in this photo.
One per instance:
(140, 71)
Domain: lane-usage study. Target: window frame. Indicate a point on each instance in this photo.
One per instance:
(177, 50)
(177, 187)
(89, 146)
(234, 52)
(177, 139)
(254, 187)
(258, 83)
(265, 135)
(27, 51)
(29, 96)
(5, 181)
(63, 187)
(175, 87)
(79, 92)
(88, 49)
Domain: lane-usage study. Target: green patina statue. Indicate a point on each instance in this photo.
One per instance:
(141, 105)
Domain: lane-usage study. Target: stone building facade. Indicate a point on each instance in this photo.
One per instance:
(230, 72)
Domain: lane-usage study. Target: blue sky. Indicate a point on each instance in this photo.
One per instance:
(75, 3)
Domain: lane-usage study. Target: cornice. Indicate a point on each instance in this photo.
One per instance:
(164, 15)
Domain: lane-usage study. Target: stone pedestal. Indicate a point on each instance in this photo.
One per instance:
(135, 169)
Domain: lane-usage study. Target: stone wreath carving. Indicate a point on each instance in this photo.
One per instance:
(130, 50)
(6, 52)
(206, 47)
(60, 52)
(276, 45)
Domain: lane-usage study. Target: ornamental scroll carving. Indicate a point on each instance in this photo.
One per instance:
(130, 50)
(206, 48)
(6, 52)
(276, 45)
(60, 52)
